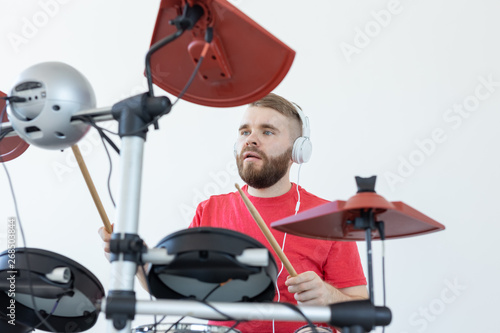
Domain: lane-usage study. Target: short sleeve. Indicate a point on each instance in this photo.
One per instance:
(343, 267)
(197, 216)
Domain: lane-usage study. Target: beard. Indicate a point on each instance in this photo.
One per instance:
(271, 171)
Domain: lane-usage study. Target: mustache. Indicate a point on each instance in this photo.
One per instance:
(253, 149)
(250, 148)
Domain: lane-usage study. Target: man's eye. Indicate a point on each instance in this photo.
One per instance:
(268, 133)
(245, 133)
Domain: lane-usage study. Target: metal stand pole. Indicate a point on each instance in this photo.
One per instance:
(123, 272)
(134, 115)
(353, 315)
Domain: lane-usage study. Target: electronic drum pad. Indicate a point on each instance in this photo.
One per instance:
(64, 291)
(206, 267)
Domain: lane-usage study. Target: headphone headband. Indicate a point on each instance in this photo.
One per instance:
(302, 147)
(306, 132)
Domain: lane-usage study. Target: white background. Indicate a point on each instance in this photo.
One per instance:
(371, 113)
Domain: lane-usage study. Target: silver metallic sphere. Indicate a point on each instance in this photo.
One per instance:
(54, 92)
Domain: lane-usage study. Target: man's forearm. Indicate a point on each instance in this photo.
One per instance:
(142, 277)
(346, 294)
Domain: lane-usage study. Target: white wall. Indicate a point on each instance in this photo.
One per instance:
(369, 109)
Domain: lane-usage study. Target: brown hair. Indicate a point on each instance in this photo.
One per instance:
(282, 105)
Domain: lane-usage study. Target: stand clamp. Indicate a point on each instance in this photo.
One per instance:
(134, 113)
(120, 306)
(131, 246)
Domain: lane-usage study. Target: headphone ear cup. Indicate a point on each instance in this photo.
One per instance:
(302, 150)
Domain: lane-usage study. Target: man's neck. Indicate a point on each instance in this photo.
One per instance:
(281, 187)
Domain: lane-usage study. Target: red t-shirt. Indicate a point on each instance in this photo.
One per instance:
(337, 263)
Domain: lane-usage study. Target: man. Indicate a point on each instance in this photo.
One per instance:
(328, 272)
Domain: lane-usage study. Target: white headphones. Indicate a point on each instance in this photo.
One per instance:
(302, 147)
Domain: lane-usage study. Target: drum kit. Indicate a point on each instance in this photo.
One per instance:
(56, 294)
(206, 273)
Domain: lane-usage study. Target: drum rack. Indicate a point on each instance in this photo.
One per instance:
(134, 115)
(121, 306)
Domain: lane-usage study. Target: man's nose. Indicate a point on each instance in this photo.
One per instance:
(252, 140)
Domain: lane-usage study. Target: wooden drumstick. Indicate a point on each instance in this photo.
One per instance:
(92, 189)
(270, 238)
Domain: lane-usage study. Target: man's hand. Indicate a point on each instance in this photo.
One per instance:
(309, 289)
(105, 236)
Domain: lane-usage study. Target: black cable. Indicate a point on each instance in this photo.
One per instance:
(3, 134)
(156, 323)
(227, 317)
(173, 325)
(383, 277)
(383, 271)
(152, 50)
(28, 264)
(110, 169)
(89, 120)
(209, 35)
(296, 309)
(151, 297)
(103, 136)
(184, 90)
(108, 140)
(30, 282)
(232, 328)
(51, 312)
(156, 118)
(4, 110)
(208, 40)
(15, 99)
(381, 230)
(203, 300)
(112, 144)
(211, 291)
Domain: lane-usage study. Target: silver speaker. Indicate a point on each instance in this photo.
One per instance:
(54, 92)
